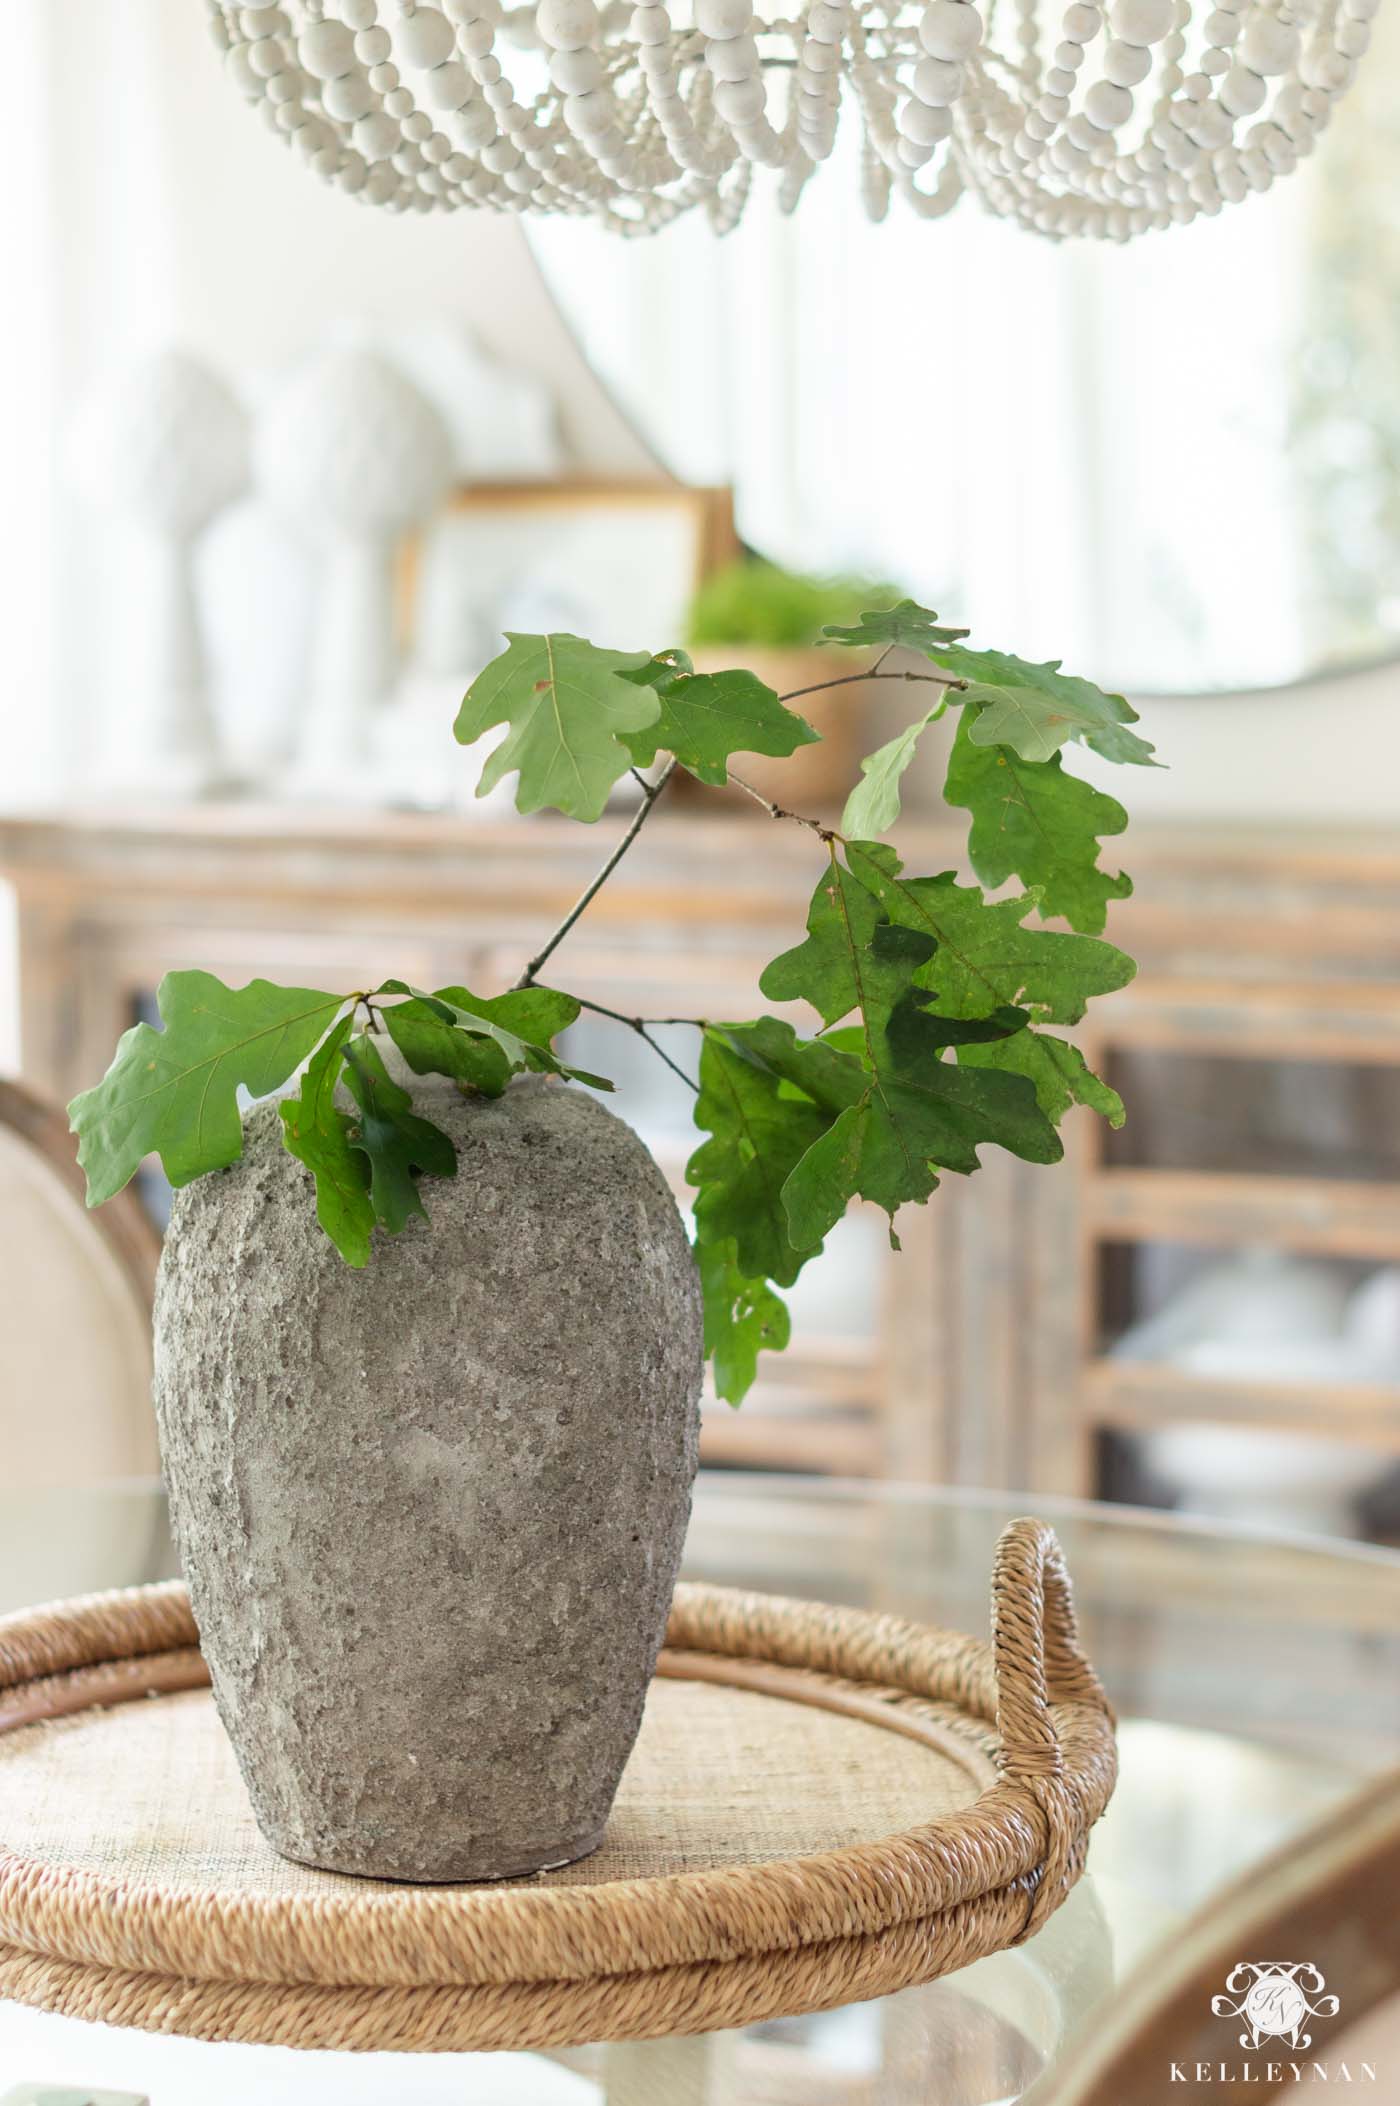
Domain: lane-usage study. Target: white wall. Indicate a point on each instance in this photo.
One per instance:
(159, 209)
(1323, 754)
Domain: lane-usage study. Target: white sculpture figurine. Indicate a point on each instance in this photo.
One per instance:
(164, 444)
(357, 455)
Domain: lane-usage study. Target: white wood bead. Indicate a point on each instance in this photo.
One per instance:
(732, 58)
(476, 39)
(739, 102)
(938, 81)
(723, 18)
(1352, 39)
(1070, 159)
(472, 126)
(376, 136)
(372, 46)
(327, 49)
(448, 86)
(268, 56)
(567, 24)
(1210, 127)
(576, 72)
(348, 97)
(1276, 147)
(1142, 21)
(258, 22)
(826, 23)
(1242, 92)
(384, 78)
(1082, 23)
(358, 14)
(589, 115)
(1107, 107)
(1268, 46)
(1331, 71)
(424, 37)
(950, 29)
(1126, 64)
(1230, 179)
(924, 123)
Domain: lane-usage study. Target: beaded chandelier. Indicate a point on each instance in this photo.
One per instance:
(1140, 116)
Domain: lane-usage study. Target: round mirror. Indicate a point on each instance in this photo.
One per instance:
(1175, 465)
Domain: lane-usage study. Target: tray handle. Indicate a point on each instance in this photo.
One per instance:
(1035, 1644)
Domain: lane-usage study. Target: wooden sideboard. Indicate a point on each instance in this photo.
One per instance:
(981, 1360)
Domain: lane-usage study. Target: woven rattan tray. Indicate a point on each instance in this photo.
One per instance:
(823, 1806)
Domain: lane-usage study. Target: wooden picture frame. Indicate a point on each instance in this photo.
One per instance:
(617, 561)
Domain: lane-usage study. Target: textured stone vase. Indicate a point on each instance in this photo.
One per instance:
(431, 1512)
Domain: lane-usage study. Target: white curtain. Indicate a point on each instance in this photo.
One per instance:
(1081, 449)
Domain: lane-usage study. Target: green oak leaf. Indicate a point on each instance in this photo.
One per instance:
(706, 717)
(759, 1130)
(743, 1318)
(907, 627)
(432, 1045)
(535, 1014)
(984, 958)
(1035, 708)
(470, 1037)
(174, 1092)
(567, 703)
(317, 1133)
(392, 1138)
(873, 805)
(917, 1112)
(1035, 821)
(1060, 1074)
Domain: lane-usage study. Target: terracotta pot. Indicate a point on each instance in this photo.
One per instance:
(431, 1512)
(815, 780)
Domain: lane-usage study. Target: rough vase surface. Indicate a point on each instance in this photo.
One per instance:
(431, 1512)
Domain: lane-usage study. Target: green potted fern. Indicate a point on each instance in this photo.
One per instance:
(430, 1330)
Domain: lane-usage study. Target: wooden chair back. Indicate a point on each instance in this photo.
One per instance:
(75, 1312)
(1324, 1904)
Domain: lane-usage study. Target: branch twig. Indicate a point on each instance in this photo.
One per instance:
(819, 687)
(590, 891)
(640, 1025)
(778, 811)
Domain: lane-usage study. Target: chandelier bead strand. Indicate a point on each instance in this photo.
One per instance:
(1143, 118)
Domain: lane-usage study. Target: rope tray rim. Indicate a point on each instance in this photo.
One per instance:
(521, 1964)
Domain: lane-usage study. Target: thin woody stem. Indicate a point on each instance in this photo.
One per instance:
(640, 1025)
(819, 687)
(652, 792)
(778, 811)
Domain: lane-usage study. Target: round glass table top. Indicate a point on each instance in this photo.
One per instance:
(1256, 1680)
